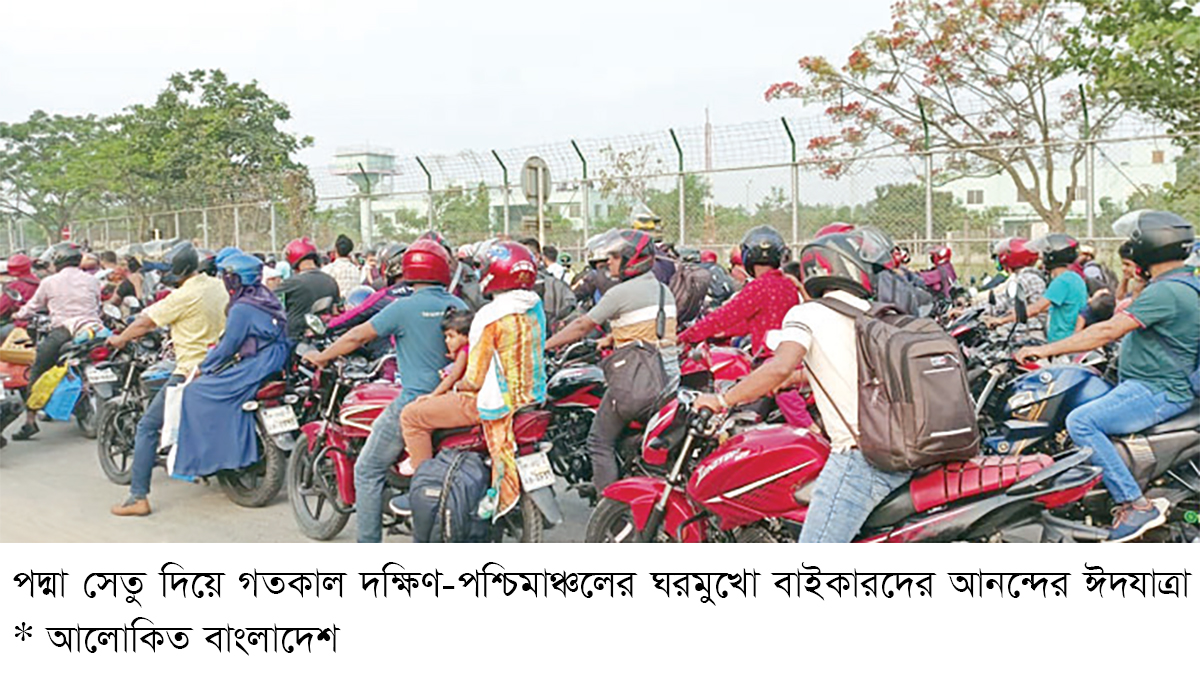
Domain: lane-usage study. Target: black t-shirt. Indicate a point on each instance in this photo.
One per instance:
(300, 292)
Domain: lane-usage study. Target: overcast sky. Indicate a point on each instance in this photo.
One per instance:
(433, 76)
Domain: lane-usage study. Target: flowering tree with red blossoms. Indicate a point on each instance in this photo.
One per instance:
(994, 85)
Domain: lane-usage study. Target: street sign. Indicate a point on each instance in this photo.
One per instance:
(529, 179)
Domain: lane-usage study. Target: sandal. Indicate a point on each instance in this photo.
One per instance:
(26, 432)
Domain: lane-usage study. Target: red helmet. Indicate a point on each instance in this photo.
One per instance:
(426, 262)
(507, 265)
(735, 256)
(940, 255)
(1013, 253)
(299, 250)
(708, 256)
(835, 228)
(19, 265)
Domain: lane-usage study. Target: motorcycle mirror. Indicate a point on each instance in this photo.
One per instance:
(1022, 313)
(992, 297)
(314, 324)
(112, 311)
(13, 295)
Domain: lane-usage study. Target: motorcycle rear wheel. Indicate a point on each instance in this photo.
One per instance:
(312, 496)
(255, 485)
(114, 445)
(524, 523)
(87, 414)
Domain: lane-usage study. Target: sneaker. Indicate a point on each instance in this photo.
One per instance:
(26, 432)
(405, 468)
(401, 506)
(1131, 522)
(132, 506)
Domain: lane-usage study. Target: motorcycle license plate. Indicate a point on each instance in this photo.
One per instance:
(100, 376)
(535, 471)
(279, 419)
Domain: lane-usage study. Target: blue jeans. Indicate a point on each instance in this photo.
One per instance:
(145, 443)
(379, 453)
(1130, 407)
(846, 492)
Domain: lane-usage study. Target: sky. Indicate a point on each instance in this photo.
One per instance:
(433, 76)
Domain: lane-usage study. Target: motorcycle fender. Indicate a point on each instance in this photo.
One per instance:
(311, 432)
(548, 504)
(314, 431)
(641, 493)
(286, 441)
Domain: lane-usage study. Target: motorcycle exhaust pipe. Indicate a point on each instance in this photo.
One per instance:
(1073, 531)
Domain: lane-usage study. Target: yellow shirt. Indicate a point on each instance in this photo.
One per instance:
(195, 312)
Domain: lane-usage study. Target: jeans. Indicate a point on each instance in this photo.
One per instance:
(846, 492)
(145, 442)
(379, 453)
(1130, 407)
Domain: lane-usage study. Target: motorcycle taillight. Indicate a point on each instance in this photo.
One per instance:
(99, 354)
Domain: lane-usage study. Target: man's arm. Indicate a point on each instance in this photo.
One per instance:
(1093, 337)
(762, 381)
(731, 319)
(35, 304)
(142, 326)
(576, 330)
(347, 343)
(1041, 306)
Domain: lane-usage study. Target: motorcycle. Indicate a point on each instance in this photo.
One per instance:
(756, 487)
(140, 370)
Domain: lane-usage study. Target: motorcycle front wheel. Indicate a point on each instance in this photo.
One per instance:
(255, 485)
(611, 523)
(114, 445)
(312, 492)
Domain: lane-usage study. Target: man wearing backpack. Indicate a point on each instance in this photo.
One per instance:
(557, 298)
(1158, 362)
(834, 267)
(762, 304)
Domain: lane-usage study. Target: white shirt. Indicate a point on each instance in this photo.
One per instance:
(831, 357)
(347, 275)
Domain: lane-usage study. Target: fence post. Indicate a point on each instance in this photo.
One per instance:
(204, 221)
(504, 170)
(795, 187)
(177, 225)
(106, 239)
(237, 227)
(586, 213)
(429, 185)
(128, 229)
(274, 236)
(682, 198)
(928, 177)
(1089, 175)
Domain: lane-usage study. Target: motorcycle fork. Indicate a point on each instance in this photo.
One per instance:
(659, 512)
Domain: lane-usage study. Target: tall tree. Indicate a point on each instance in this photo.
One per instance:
(985, 77)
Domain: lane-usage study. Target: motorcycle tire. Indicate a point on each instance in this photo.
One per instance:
(255, 485)
(612, 523)
(114, 445)
(87, 415)
(524, 523)
(313, 503)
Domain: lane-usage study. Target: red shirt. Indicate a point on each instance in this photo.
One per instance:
(755, 310)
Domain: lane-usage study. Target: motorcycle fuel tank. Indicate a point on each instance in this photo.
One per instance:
(573, 380)
(362, 405)
(1048, 394)
(756, 475)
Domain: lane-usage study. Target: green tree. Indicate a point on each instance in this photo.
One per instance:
(463, 214)
(665, 204)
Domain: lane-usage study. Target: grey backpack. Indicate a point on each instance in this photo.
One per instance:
(914, 403)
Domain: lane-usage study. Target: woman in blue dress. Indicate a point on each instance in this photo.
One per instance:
(214, 432)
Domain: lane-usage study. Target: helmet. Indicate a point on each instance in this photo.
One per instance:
(940, 255)
(184, 261)
(19, 265)
(846, 261)
(391, 260)
(735, 255)
(708, 256)
(564, 259)
(208, 262)
(1085, 249)
(299, 250)
(438, 238)
(835, 228)
(1013, 253)
(358, 295)
(643, 219)
(426, 261)
(1156, 236)
(763, 246)
(241, 270)
(1056, 250)
(507, 265)
(636, 249)
(225, 253)
(66, 255)
(688, 254)
(595, 250)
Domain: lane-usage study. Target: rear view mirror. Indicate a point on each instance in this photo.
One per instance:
(1022, 313)
(13, 295)
(314, 324)
(992, 297)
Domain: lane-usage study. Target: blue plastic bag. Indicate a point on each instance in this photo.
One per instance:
(66, 395)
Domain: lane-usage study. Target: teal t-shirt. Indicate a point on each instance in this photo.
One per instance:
(1162, 352)
(1068, 295)
(416, 323)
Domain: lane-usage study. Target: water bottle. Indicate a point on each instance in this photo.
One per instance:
(487, 504)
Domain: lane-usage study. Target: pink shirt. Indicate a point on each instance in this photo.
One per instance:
(71, 296)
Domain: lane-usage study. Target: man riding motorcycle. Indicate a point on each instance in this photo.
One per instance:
(1066, 296)
(1014, 257)
(307, 286)
(20, 268)
(195, 313)
(594, 281)
(761, 305)
(848, 488)
(72, 297)
(416, 324)
(1158, 353)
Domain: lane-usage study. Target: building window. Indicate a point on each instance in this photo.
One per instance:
(1075, 193)
(975, 197)
(1158, 157)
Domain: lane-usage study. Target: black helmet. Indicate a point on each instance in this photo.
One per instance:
(184, 261)
(763, 246)
(391, 260)
(688, 254)
(636, 249)
(66, 254)
(1155, 236)
(208, 262)
(1057, 250)
(847, 261)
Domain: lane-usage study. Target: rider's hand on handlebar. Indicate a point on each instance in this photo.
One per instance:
(605, 341)
(708, 402)
(314, 358)
(1029, 354)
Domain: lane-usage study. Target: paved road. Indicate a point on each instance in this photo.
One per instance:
(52, 490)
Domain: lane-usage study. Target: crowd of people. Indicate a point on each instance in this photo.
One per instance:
(471, 329)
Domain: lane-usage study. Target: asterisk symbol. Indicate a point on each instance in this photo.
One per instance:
(23, 631)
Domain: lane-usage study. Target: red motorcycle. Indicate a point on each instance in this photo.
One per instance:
(345, 402)
(756, 486)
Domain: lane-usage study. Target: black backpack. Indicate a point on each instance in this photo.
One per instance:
(445, 495)
(689, 285)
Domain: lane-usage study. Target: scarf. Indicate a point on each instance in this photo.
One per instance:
(260, 297)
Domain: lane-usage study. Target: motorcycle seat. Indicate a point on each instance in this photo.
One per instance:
(271, 390)
(529, 426)
(1188, 419)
